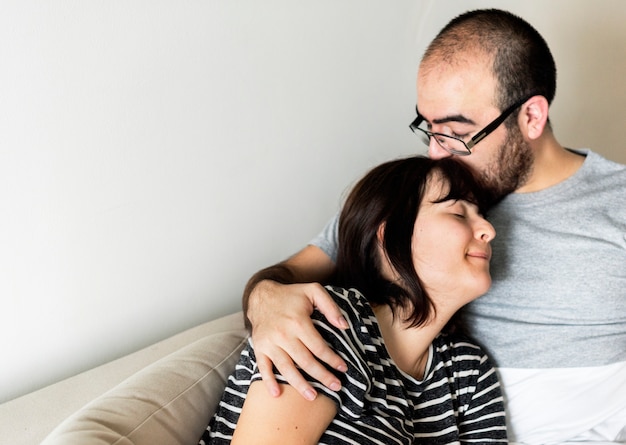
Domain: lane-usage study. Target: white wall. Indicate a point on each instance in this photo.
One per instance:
(154, 154)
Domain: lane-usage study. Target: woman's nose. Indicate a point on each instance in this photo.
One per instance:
(486, 232)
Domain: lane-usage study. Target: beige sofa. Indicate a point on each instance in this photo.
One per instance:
(163, 394)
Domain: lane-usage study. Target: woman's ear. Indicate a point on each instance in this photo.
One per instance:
(386, 269)
(534, 117)
(380, 235)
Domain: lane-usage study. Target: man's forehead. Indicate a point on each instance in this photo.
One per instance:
(446, 95)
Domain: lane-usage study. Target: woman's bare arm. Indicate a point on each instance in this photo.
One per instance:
(288, 419)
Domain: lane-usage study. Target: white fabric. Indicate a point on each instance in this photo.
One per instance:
(563, 405)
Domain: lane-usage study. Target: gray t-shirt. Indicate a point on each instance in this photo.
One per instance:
(558, 297)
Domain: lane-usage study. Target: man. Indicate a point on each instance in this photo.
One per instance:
(554, 321)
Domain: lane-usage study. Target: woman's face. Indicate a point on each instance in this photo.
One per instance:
(451, 249)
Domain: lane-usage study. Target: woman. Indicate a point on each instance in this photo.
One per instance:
(413, 242)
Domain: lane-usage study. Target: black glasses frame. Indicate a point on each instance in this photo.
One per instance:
(482, 134)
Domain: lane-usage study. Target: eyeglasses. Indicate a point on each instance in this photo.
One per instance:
(455, 145)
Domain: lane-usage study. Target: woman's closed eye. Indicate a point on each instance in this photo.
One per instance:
(457, 208)
(461, 209)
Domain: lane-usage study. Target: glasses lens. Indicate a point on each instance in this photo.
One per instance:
(449, 143)
(423, 137)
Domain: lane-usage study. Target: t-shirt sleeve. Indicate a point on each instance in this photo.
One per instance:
(484, 417)
(327, 238)
(356, 381)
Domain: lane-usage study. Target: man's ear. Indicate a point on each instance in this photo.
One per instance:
(534, 117)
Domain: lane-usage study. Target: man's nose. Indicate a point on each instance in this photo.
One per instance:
(436, 151)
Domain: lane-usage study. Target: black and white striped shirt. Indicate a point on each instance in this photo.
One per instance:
(458, 401)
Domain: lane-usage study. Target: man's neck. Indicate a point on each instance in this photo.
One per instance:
(553, 164)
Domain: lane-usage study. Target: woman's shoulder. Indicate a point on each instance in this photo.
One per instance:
(456, 344)
(350, 301)
(362, 323)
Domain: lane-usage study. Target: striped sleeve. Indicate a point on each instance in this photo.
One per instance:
(483, 419)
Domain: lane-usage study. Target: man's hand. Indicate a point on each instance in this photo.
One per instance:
(283, 334)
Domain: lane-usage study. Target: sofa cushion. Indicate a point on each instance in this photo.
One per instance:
(169, 402)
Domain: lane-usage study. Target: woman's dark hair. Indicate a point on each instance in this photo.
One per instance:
(391, 194)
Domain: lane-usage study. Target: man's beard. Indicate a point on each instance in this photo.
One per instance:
(511, 167)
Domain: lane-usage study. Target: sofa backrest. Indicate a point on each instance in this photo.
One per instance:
(170, 401)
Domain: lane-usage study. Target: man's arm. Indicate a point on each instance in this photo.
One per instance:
(278, 314)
